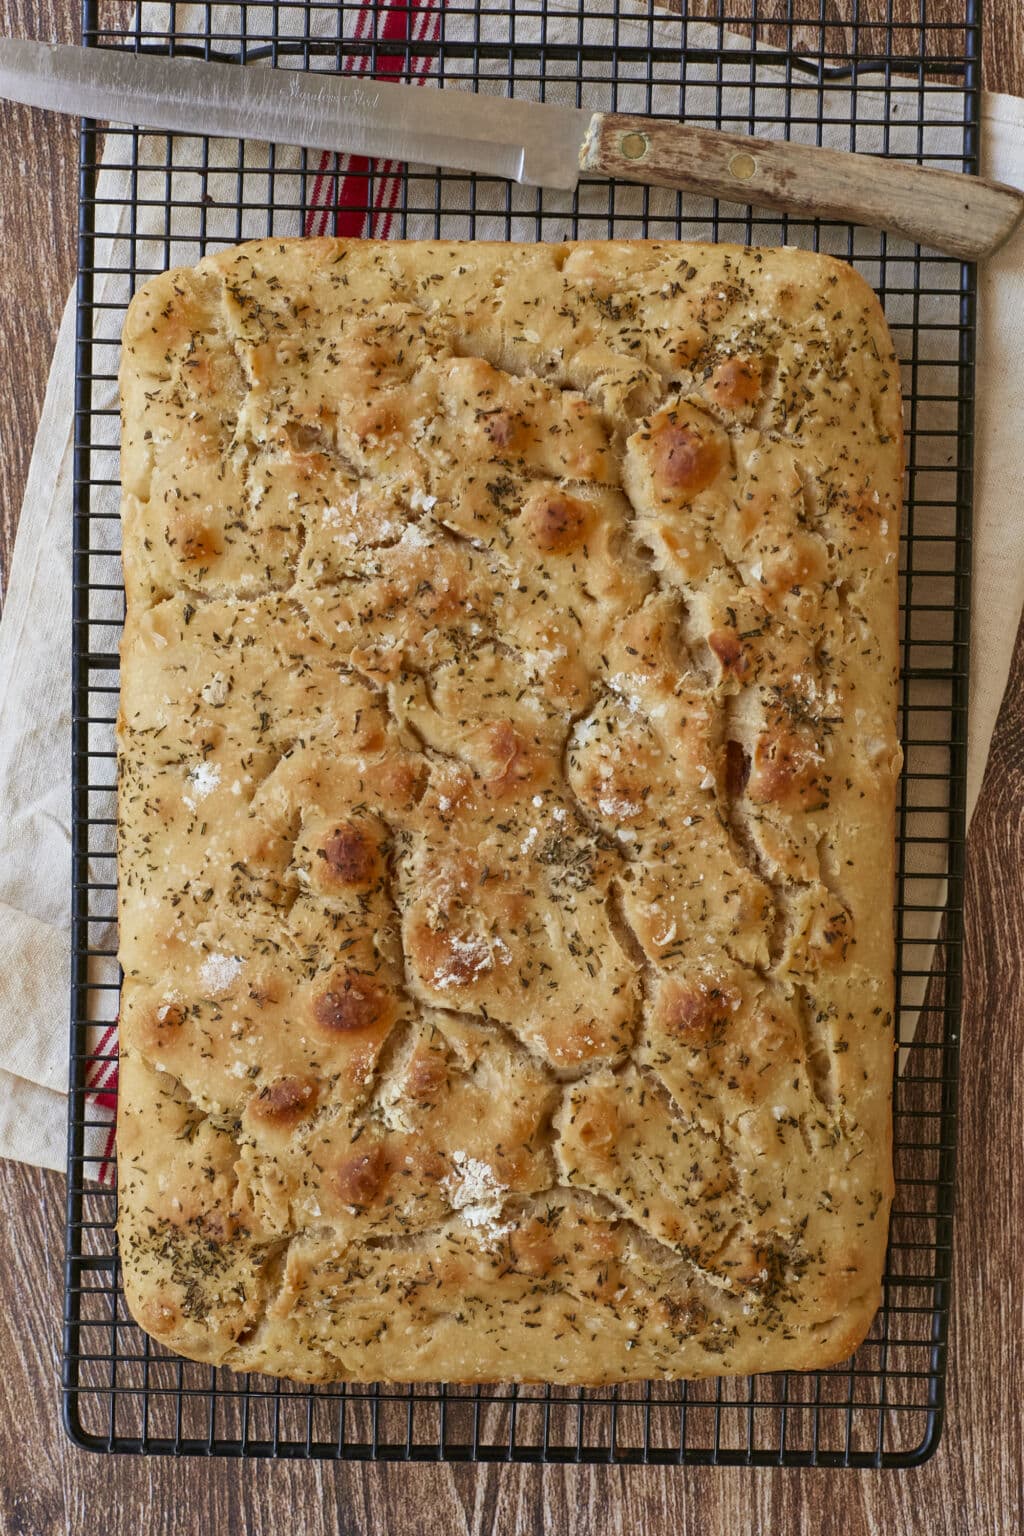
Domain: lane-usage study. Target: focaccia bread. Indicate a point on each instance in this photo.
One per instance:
(507, 776)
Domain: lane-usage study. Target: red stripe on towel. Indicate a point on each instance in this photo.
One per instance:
(404, 20)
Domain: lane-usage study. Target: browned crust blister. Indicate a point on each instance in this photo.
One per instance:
(507, 771)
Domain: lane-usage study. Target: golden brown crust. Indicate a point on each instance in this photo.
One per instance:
(507, 771)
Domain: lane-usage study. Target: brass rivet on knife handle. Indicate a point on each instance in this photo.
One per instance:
(964, 216)
(742, 166)
(634, 145)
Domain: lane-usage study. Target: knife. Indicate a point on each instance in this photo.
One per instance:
(530, 142)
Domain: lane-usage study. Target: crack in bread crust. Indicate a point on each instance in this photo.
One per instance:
(506, 778)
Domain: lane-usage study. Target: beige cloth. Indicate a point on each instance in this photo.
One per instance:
(35, 626)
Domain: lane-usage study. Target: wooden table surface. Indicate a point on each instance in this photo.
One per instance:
(972, 1487)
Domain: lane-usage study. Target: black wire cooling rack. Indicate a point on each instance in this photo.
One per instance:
(870, 81)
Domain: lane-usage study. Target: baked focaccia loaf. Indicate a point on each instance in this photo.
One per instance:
(507, 772)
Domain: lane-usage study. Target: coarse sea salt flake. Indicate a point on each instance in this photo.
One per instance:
(414, 537)
(216, 691)
(218, 971)
(471, 958)
(202, 779)
(617, 805)
(475, 1192)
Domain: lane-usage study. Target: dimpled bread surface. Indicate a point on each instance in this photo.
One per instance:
(507, 777)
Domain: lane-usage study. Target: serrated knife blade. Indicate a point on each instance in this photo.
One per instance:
(460, 130)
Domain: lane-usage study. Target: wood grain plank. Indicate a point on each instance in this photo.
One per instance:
(37, 231)
(987, 1379)
(972, 1486)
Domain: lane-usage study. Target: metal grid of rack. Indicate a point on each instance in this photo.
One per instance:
(873, 82)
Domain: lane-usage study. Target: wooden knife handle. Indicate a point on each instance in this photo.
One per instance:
(964, 216)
